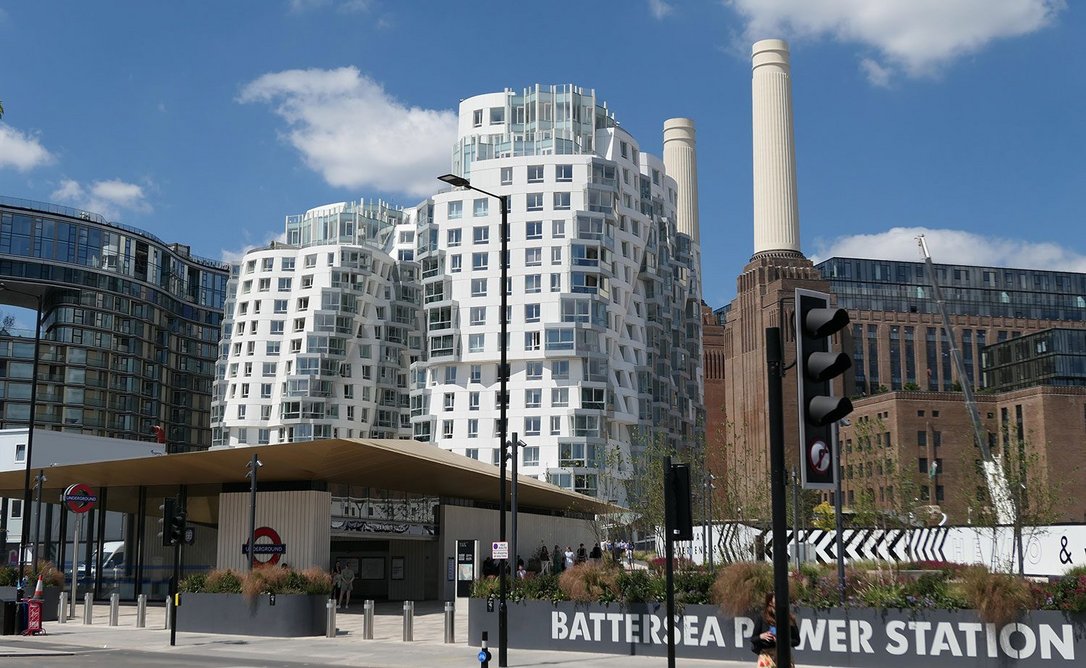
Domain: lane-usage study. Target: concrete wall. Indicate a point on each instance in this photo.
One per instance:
(300, 518)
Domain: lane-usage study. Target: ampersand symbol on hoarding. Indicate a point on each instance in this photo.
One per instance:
(1065, 554)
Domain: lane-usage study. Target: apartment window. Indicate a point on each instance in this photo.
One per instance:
(558, 229)
(453, 237)
(446, 429)
(473, 401)
(473, 429)
(535, 173)
(533, 398)
(533, 229)
(561, 201)
(531, 425)
(556, 255)
(497, 115)
(280, 306)
(530, 455)
(563, 173)
(476, 343)
(560, 370)
(922, 439)
(559, 397)
(532, 284)
(272, 347)
(531, 341)
(480, 235)
(268, 369)
(310, 261)
(303, 303)
(556, 282)
(476, 373)
(531, 313)
(480, 206)
(287, 264)
(449, 401)
(507, 175)
(455, 210)
(480, 261)
(534, 201)
(556, 425)
(477, 118)
(533, 370)
(299, 324)
(477, 315)
(533, 257)
(455, 262)
(265, 390)
(263, 285)
(478, 287)
(20, 453)
(472, 453)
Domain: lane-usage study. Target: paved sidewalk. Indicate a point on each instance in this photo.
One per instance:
(387, 650)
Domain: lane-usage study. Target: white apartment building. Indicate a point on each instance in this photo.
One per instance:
(383, 322)
(320, 332)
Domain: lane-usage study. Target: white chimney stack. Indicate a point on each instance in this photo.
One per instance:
(776, 203)
(681, 163)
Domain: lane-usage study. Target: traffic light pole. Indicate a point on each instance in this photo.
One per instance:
(774, 359)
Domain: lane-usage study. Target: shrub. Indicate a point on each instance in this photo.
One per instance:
(741, 587)
(8, 576)
(998, 598)
(194, 583)
(590, 582)
(223, 582)
(540, 588)
(485, 587)
(317, 580)
(694, 586)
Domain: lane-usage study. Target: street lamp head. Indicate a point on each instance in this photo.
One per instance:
(455, 181)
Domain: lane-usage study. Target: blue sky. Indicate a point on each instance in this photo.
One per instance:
(207, 122)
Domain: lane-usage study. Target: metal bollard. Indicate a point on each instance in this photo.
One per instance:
(484, 653)
(408, 621)
(169, 609)
(141, 611)
(450, 622)
(330, 619)
(114, 608)
(367, 620)
(88, 608)
(62, 608)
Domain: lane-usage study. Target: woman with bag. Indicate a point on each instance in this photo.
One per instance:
(763, 641)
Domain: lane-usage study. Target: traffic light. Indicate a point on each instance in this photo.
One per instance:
(678, 519)
(816, 322)
(172, 523)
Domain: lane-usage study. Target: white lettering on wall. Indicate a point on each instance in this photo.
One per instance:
(690, 630)
(1049, 639)
(711, 633)
(558, 625)
(921, 628)
(744, 626)
(970, 629)
(897, 644)
(945, 640)
(811, 633)
(1029, 646)
(860, 635)
(837, 635)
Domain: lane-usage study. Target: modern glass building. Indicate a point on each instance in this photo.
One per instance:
(897, 339)
(130, 327)
(1049, 357)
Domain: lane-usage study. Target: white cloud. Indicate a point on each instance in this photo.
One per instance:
(21, 151)
(660, 8)
(876, 74)
(355, 134)
(236, 256)
(953, 247)
(916, 37)
(108, 198)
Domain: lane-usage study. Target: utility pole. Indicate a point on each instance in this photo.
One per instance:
(774, 362)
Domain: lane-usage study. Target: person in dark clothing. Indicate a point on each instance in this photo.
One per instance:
(582, 554)
(558, 563)
(763, 641)
(596, 554)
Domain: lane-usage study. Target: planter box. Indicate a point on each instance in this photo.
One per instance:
(49, 607)
(834, 637)
(292, 615)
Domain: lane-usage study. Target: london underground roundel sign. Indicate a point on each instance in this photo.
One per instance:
(79, 498)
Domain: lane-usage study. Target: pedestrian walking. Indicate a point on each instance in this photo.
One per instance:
(763, 641)
(346, 584)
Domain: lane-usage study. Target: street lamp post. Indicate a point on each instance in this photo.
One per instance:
(503, 427)
(253, 465)
(24, 537)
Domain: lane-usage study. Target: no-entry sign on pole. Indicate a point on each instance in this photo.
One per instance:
(79, 498)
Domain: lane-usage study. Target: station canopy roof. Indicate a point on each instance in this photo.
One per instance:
(402, 465)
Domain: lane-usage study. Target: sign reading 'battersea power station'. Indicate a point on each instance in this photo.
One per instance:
(837, 637)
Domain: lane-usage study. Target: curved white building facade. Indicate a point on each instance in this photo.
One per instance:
(604, 306)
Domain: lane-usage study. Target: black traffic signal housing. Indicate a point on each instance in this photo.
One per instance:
(816, 323)
(172, 523)
(678, 518)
